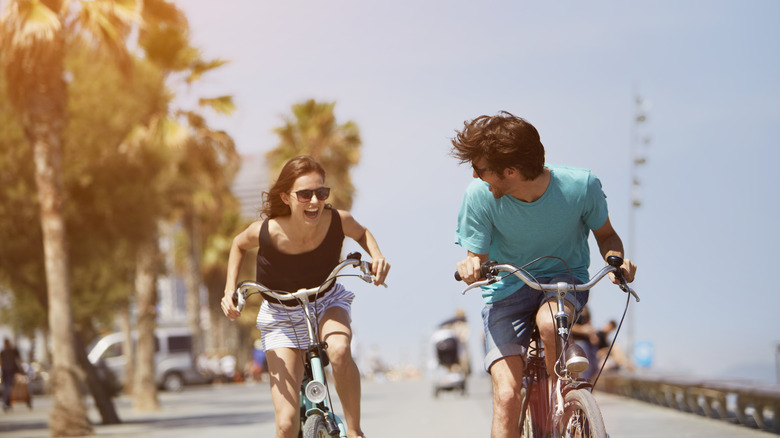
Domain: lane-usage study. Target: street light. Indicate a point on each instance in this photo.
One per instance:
(638, 141)
(777, 366)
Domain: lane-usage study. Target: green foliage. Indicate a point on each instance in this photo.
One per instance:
(21, 243)
(129, 161)
(109, 205)
(313, 130)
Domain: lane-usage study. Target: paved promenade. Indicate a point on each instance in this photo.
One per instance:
(405, 409)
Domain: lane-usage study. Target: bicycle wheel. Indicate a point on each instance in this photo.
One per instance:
(526, 419)
(582, 416)
(314, 427)
(533, 420)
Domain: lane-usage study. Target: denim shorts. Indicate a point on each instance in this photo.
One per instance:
(508, 323)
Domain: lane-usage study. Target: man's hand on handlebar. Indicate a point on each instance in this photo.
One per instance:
(629, 271)
(469, 268)
(228, 308)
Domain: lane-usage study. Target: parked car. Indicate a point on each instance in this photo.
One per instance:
(174, 362)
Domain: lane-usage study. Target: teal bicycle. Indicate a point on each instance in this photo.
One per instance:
(317, 417)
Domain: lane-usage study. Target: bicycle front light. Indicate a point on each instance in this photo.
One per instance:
(315, 391)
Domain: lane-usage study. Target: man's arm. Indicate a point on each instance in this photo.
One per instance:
(610, 244)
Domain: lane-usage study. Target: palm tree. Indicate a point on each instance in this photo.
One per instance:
(312, 130)
(33, 36)
(198, 165)
(202, 161)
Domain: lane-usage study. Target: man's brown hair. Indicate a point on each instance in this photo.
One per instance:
(503, 141)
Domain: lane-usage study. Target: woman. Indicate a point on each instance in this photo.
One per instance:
(299, 245)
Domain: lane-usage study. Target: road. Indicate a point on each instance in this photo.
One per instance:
(390, 409)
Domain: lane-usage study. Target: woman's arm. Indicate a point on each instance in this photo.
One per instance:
(361, 235)
(247, 239)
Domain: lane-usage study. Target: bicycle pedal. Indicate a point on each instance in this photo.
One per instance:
(576, 360)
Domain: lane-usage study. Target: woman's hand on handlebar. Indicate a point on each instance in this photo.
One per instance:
(228, 308)
(379, 269)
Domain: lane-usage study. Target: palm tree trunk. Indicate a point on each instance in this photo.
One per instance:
(69, 416)
(192, 280)
(128, 348)
(144, 387)
(98, 389)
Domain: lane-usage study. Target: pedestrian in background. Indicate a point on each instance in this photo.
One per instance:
(11, 365)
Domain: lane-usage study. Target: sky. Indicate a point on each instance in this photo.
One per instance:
(410, 73)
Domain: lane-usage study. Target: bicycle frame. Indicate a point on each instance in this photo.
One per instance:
(537, 393)
(315, 397)
(535, 375)
(314, 393)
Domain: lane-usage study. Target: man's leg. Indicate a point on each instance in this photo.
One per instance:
(507, 376)
(337, 333)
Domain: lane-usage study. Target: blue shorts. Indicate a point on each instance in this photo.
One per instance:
(509, 322)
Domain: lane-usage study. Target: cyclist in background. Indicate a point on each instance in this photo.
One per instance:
(516, 210)
(299, 244)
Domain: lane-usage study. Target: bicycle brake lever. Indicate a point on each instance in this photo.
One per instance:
(631, 291)
(627, 289)
(239, 300)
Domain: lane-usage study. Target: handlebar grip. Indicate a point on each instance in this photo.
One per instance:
(615, 261)
(484, 269)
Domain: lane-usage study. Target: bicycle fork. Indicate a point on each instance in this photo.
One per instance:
(315, 399)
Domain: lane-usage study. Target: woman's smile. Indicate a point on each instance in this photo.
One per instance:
(311, 213)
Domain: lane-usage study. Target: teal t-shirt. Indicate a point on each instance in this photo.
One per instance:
(512, 231)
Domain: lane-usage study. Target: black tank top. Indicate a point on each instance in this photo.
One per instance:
(290, 272)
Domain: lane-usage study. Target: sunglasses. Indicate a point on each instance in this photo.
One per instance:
(306, 195)
(479, 170)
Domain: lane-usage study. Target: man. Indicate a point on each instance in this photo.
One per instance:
(515, 211)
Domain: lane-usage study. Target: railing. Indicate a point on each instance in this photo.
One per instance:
(747, 403)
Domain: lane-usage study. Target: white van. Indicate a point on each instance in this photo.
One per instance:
(174, 363)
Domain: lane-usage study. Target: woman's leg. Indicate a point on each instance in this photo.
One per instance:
(286, 373)
(336, 331)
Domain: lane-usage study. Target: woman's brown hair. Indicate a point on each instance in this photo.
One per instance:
(273, 206)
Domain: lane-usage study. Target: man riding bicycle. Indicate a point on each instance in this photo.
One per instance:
(515, 211)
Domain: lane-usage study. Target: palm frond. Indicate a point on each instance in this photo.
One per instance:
(198, 68)
(222, 104)
(28, 23)
(106, 22)
(170, 133)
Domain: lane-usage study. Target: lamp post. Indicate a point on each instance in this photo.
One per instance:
(638, 142)
(777, 365)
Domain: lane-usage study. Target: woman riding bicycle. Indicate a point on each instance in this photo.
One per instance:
(516, 210)
(299, 243)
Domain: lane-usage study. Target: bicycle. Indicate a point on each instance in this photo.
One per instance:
(317, 416)
(569, 410)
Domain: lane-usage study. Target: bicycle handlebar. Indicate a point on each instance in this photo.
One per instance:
(246, 288)
(490, 270)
